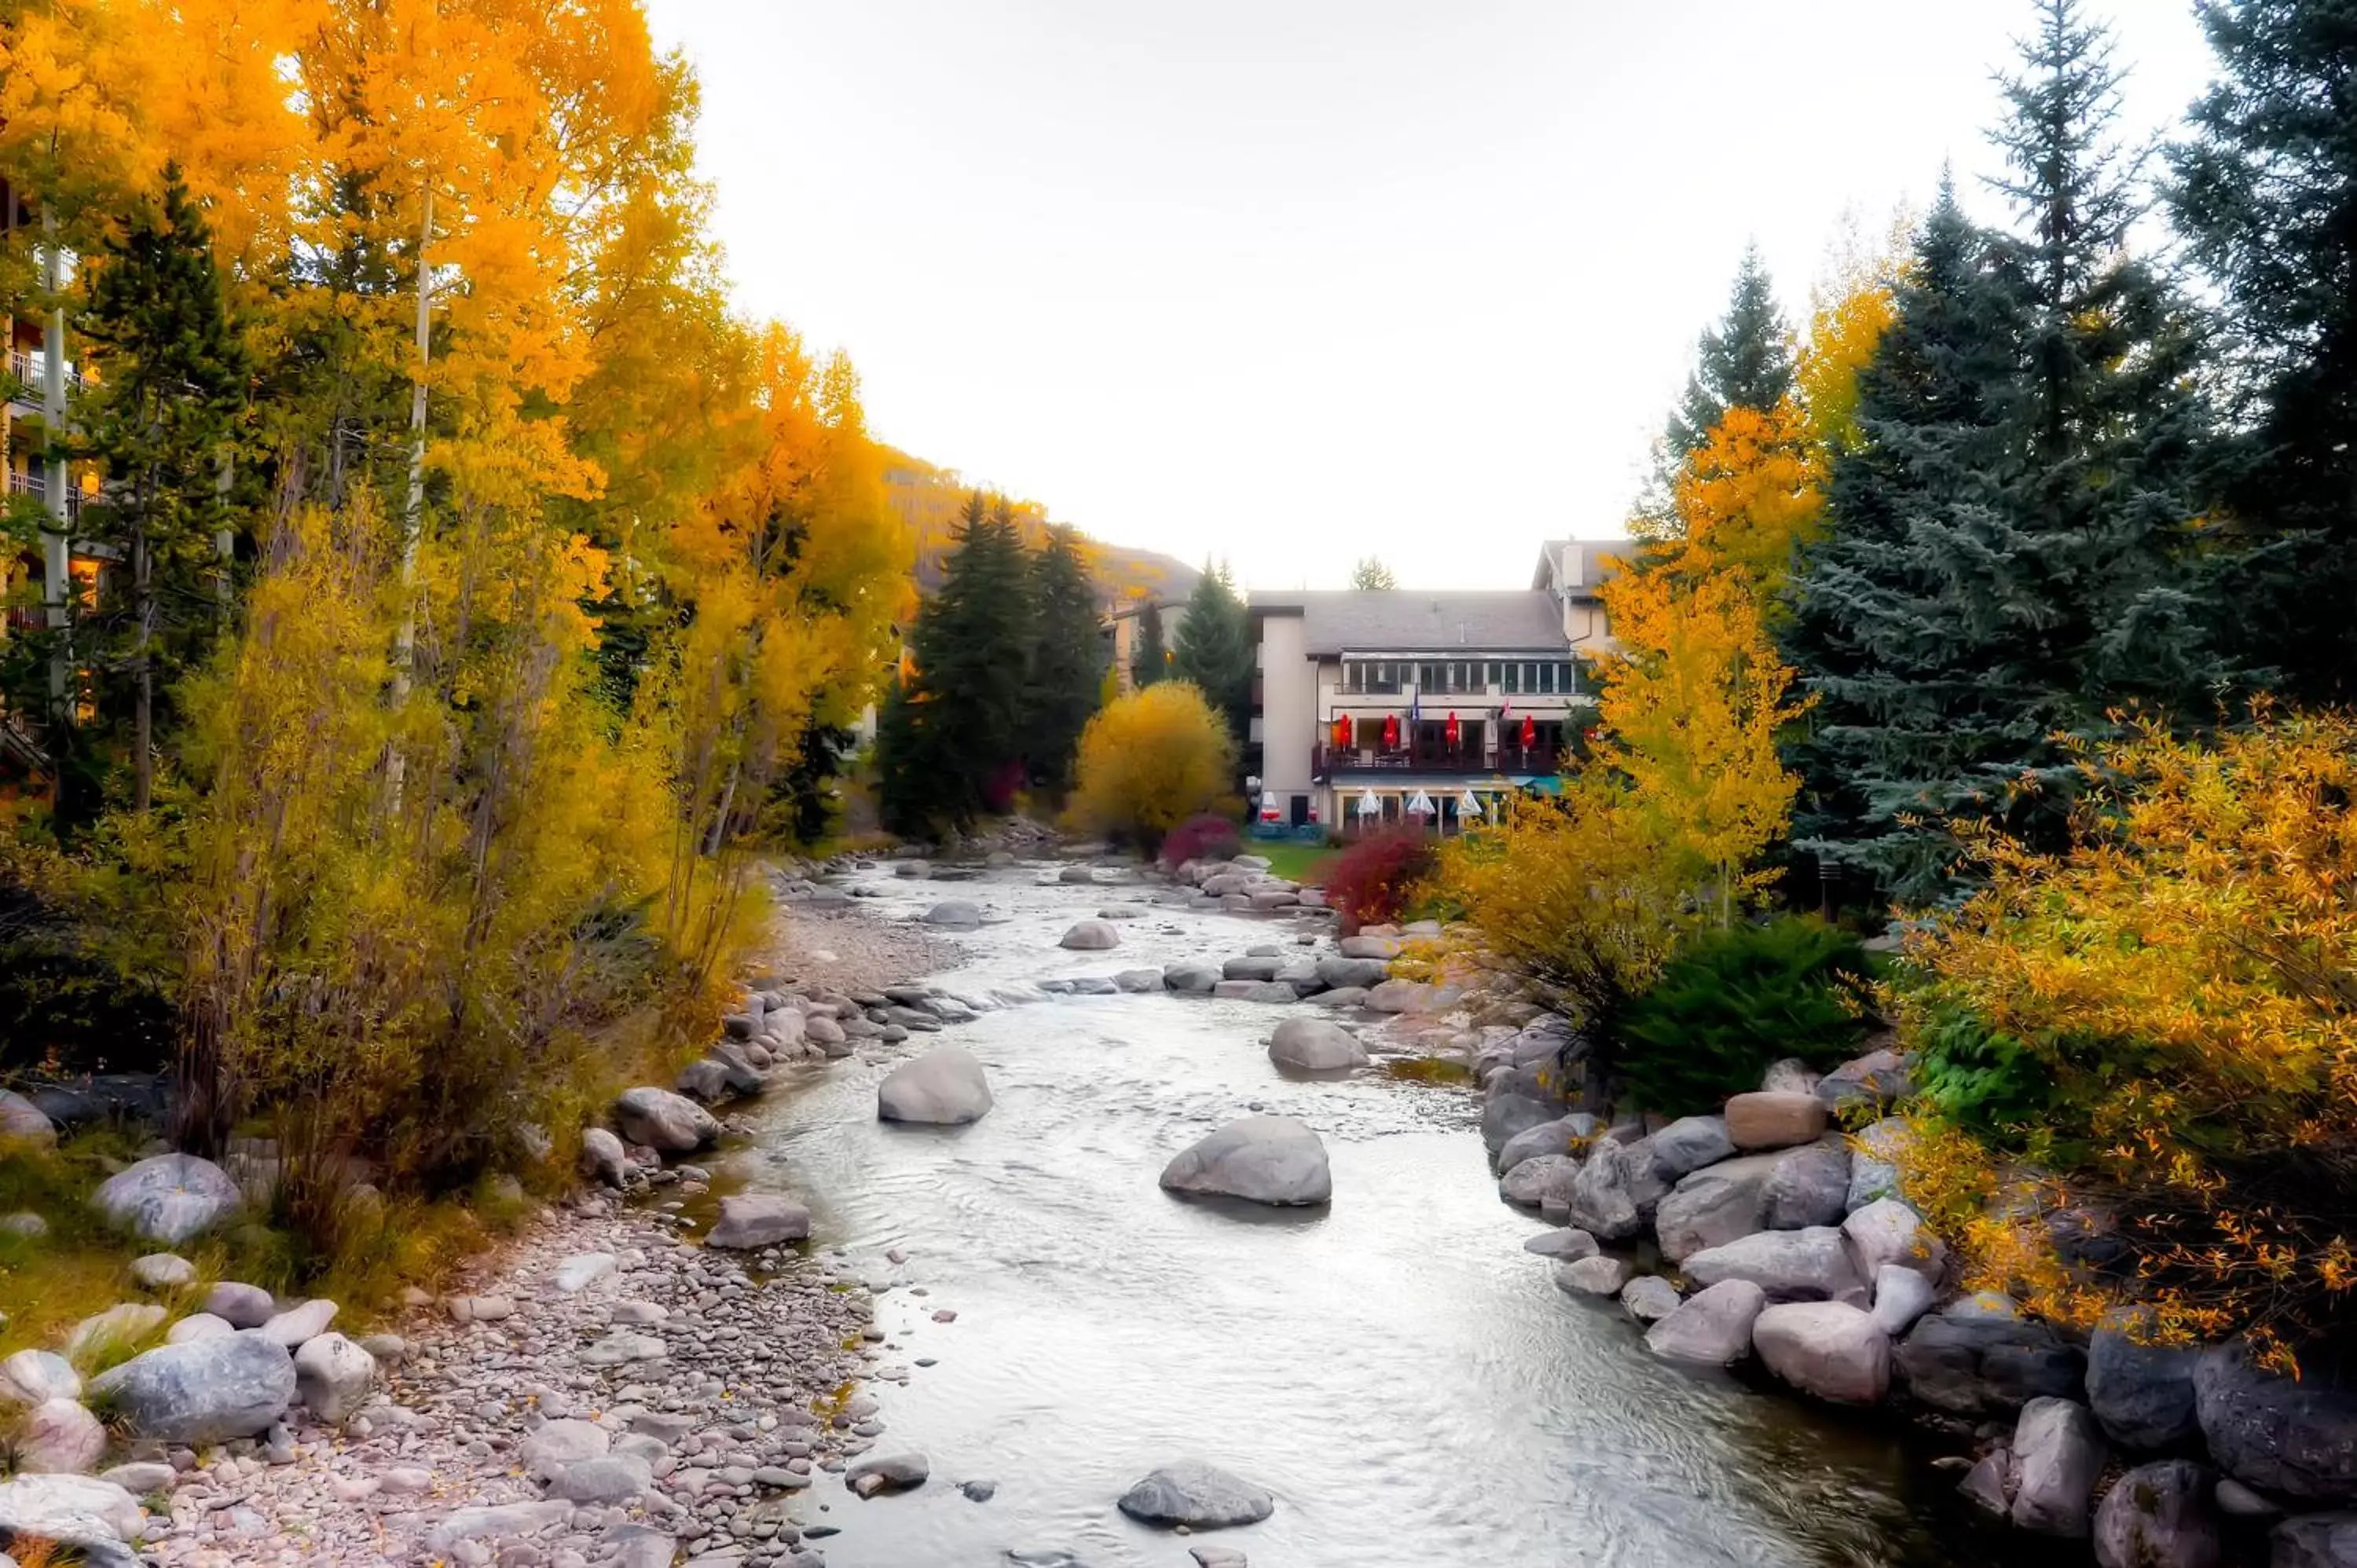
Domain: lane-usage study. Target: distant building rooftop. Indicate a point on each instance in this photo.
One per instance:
(1575, 567)
(1408, 620)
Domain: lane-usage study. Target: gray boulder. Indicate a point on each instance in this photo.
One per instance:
(301, 1323)
(1266, 1159)
(1273, 991)
(1252, 966)
(1809, 1186)
(753, 1219)
(1364, 973)
(1900, 1296)
(1616, 1193)
(22, 1122)
(1564, 1135)
(1197, 1496)
(1365, 946)
(1137, 982)
(1649, 1298)
(1562, 1243)
(2315, 1541)
(1192, 979)
(1887, 1231)
(1536, 1184)
(2058, 1451)
(201, 1391)
(1689, 1143)
(36, 1377)
(1091, 936)
(163, 1270)
(945, 1087)
(559, 1445)
(1980, 1357)
(168, 1198)
(888, 1473)
(2159, 1516)
(240, 1305)
(1716, 1205)
(332, 1377)
(1988, 1485)
(2296, 1438)
(96, 1519)
(1315, 1044)
(663, 1119)
(1876, 1078)
(1789, 1265)
(2142, 1393)
(613, 1479)
(58, 1437)
(1602, 1274)
(1775, 1119)
(1873, 1161)
(604, 1158)
(1711, 1328)
(1825, 1349)
(1506, 1115)
(955, 914)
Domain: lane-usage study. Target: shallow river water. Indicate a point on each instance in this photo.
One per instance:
(1403, 1376)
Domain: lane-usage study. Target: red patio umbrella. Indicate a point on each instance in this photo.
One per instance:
(1342, 730)
(1391, 732)
(1530, 732)
(1453, 732)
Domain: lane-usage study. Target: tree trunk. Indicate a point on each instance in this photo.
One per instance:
(56, 533)
(143, 711)
(413, 517)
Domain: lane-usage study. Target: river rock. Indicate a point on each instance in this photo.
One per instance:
(1873, 1161)
(168, 1198)
(2057, 1454)
(1411, 996)
(1716, 1205)
(22, 1122)
(706, 1080)
(1988, 1485)
(616, 1478)
(332, 1377)
(1825, 1349)
(945, 1087)
(1616, 1192)
(2142, 1394)
(1980, 1357)
(1272, 991)
(2316, 1540)
(1197, 1496)
(604, 1158)
(36, 1377)
(58, 1437)
(304, 1321)
(239, 1305)
(559, 1445)
(1602, 1274)
(205, 1390)
(98, 1518)
(1564, 1134)
(1365, 946)
(1887, 1231)
(754, 1219)
(163, 1270)
(1266, 1159)
(891, 1473)
(1137, 982)
(1252, 966)
(1774, 1119)
(574, 1274)
(1900, 1296)
(955, 914)
(1711, 1328)
(1504, 1116)
(1366, 973)
(1789, 1265)
(1315, 1044)
(1534, 1184)
(1563, 1243)
(1649, 1298)
(2159, 1516)
(1876, 1078)
(1192, 979)
(665, 1121)
(1689, 1143)
(1217, 1557)
(1091, 936)
(1809, 1186)
(2296, 1438)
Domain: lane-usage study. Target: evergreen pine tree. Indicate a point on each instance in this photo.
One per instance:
(2006, 557)
(1067, 661)
(1152, 661)
(2266, 194)
(949, 740)
(1214, 650)
(1745, 361)
(159, 425)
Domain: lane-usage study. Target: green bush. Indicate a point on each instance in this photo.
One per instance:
(1732, 1001)
(1979, 1077)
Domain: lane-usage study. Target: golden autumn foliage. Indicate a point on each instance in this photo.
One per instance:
(2163, 1021)
(1752, 494)
(1150, 760)
(1854, 305)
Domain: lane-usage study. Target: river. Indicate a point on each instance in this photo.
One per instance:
(1403, 1376)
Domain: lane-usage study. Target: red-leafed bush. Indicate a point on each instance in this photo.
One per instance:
(1369, 882)
(1205, 837)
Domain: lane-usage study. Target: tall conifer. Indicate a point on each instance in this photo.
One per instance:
(1152, 661)
(1745, 361)
(1214, 650)
(1068, 659)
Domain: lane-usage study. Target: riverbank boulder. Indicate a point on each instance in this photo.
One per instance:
(168, 1198)
(945, 1087)
(1887, 1231)
(1775, 1119)
(1564, 1135)
(1711, 1328)
(663, 1119)
(1197, 1495)
(2296, 1438)
(1602, 1274)
(888, 1473)
(2142, 1394)
(1365, 974)
(2057, 1454)
(1687, 1144)
(201, 1391)
(1192, 979)
(1615, 1193)
(1789, 1265)
(955, 915)
(1541, 1183)
(1091, 936)
(1315, 1044)
(22, 1122)
(749, 1221)
(332, 1377)
(1827, 1349)
(58, 1437)
(1980, 1357)
(1810, 1185)
(2316, 1540)
(1713, 1206)
(1266, 1159)
(96, 1519)
(2159, 1516)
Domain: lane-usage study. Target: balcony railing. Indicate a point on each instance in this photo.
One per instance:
(1328, 761)
(32, 482)
(30, 372)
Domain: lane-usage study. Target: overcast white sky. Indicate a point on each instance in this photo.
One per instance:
(1288, 281)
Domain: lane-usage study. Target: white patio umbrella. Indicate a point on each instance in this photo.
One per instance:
(1419, 805)
(1368, 805)
(1469, 805)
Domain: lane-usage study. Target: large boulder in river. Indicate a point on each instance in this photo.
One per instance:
(1540, 1183)
(1315, 1044)
(662, 1120)
(2159, 1516)
(1716, 1205)
(168, 1198)
(1564, 1135)
(1364, 973)
(753, 1219)
(1810, 1185)
(1826, 1349)
(1980, 1357)
(1711, 1328)
(1267, 1159)
(201, 1390)
(1197, 1495)
(1505, 1115)
(1789, 1265)
(945, 1087)
(2057, 1454)
(1192, 979)
(2293, 1437)
(955, 914)
(2141, 1392)
(1614, 1194)
(1091, 936)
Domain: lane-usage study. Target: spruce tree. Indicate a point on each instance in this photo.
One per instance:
(160, 426)
(949, 740)
(1067, 661)
(2265, 192)
(1152, 661)
(2006, 557)
(1215, 649)
(1745, 361)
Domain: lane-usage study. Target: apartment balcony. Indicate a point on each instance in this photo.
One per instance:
(1472, 760)
(33, 483)
(27, 373)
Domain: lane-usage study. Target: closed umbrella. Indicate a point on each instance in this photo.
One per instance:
(1469, 804)
(1368, 805)
(1419, 804)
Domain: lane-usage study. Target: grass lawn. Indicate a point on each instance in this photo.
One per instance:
(1302, 862)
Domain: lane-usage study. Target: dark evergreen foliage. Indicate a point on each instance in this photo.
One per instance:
(1215, 649)
(1745, 361)
(1735, 1002)
(1067, 659)
(1152, 661)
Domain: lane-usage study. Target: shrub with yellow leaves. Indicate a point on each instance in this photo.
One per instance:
(2164, 1019)
(1150, 760)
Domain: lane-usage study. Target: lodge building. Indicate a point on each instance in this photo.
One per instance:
(1401, 704)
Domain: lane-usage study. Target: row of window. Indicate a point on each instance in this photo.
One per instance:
(1465, 677)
